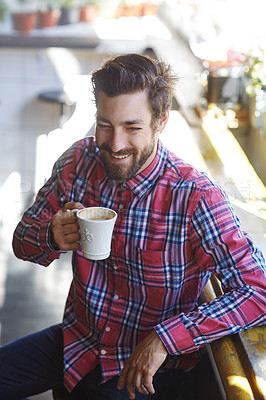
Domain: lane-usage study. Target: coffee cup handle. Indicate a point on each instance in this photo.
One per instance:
(74, 211)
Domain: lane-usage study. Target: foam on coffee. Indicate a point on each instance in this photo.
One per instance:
(97, 214)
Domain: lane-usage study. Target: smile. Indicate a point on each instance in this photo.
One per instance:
(120, 157)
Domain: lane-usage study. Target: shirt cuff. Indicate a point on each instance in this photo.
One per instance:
(175, 337)
(45, 238)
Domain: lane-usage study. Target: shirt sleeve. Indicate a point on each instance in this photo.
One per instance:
(31, 239)
(221, 247)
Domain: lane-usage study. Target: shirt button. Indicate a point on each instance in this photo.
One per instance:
(108, 329)
(116, 297)
(120, 206)
(115, 267)
(103, 352)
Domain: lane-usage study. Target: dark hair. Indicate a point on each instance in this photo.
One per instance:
(135, 72)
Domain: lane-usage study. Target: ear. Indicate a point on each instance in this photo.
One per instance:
(163, 121)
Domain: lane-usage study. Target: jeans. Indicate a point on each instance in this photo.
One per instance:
(34, 364)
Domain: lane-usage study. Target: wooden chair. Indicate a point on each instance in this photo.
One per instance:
(61, 394)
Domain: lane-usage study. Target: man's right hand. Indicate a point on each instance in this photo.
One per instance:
(64, 228)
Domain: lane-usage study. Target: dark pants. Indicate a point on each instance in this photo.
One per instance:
(34, 364)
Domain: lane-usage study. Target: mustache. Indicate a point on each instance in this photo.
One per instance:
(122, 152)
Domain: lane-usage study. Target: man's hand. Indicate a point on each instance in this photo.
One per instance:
(65, 229)
(142, 365)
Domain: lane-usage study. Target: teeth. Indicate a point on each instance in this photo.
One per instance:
(120, 157)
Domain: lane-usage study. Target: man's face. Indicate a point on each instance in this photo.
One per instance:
(124, 135)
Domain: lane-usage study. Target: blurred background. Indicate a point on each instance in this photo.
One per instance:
(218, 122)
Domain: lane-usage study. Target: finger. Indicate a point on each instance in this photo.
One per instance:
(148, 384)
(139, 384)
(72, 238)
(70, 246)
(131, 390)
(68, 218)
(130, 383)
(64, 245)
(122, 378)
(65, 234)
(70, 228)
(71, 205)
(63, 218)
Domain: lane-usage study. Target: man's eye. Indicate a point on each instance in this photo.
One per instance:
(133, 128)
(103, 126)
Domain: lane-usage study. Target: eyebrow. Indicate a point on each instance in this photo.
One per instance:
(129, 122)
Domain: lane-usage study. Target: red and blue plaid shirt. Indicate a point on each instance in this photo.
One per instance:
(174, 228)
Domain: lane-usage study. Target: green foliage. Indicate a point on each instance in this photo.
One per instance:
(256, 70)
(90, 3)
(3, 10)
(49, 4)
(25, 5)
(70, 3)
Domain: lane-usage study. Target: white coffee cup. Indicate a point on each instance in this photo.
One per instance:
(96, 229)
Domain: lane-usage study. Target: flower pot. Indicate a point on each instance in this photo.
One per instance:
(149, 8)
(118, 12)
(24, 22)
(131, 10)
(49, 18)
(69, 15)
(88, 13)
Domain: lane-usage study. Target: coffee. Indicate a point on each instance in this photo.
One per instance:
(97, 214)
(98, 219)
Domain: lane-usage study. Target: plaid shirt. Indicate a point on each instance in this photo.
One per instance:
(174, 228)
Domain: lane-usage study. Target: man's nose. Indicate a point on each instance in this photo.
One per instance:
(117, 141)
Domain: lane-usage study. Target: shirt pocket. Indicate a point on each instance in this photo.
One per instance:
(158, 269)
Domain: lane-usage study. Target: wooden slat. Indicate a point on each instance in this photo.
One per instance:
(208, 293)
(216, 284)
(235, 382)
(252, 352)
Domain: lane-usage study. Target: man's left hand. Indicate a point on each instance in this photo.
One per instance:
(142, 365)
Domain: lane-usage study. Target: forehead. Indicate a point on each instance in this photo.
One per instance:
(134, 105)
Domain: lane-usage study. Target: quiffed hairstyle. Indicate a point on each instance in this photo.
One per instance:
(135, 72)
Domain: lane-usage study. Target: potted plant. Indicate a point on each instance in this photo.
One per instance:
(149, 7)
(25, 15)
(256, 70)
(89, 10)
(49, 13)
(256, 88)
(129, 8)
(3, 10)
(70, 12)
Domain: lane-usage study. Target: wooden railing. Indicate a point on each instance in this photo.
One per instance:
(240, 359)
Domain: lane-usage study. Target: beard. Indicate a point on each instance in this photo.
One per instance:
(122, 173)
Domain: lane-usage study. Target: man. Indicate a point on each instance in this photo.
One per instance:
(132, 318)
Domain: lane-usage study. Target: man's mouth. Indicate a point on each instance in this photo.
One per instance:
(119, 157)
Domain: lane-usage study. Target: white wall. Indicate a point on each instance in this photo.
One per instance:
(24, 73)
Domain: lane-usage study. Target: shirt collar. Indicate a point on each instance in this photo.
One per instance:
(140, 183)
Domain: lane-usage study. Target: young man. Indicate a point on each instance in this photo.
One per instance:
(132, 318)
